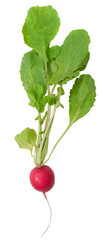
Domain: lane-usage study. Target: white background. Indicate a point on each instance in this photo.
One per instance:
(77, 198)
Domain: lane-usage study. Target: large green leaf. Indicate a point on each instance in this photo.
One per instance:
(82, 97)
(26, 139)
(33, 78)
(73, 57)
(40, 27)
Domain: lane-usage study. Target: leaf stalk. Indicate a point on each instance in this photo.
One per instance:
(47, 131)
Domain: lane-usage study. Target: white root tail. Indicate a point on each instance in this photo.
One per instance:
(50, 215)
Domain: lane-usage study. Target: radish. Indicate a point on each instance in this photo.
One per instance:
(44, 73)
(43, 179)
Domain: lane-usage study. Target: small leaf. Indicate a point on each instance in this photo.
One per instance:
(73, 57)
(33, 79)
(40, 27)
(52, 68)
(82, 97)
(61, 105)
(60, 91)
(26, 139)
(52, 100)
(37, 99)
(53, 52)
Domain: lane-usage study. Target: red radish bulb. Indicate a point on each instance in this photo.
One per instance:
(42, 178)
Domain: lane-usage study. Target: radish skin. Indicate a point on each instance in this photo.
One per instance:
(42, 178)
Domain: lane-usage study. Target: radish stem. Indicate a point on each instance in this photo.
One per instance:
(50, 214)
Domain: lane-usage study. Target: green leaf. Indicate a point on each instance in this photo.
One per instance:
(33, 79)
(32, 71)
(53, 52)
(52, 100)
(26, 139)
(82, 97)
(37, 99)
(40, 27)
(52, 68)
(61, 105)
(71, 76)
(73, 57)
(60, 91)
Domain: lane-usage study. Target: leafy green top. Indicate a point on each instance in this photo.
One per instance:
(82, 97)
(73, 57)
(40, 27)
(44, 66)
(33, 78)
(27, 139)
